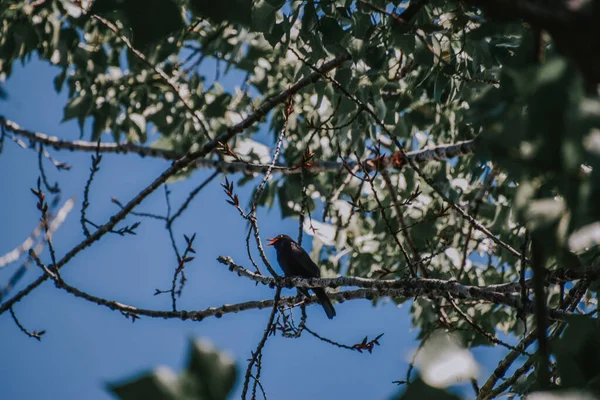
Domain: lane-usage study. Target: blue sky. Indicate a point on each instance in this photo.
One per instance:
(86, 346)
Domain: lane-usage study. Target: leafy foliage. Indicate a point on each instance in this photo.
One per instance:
(419, 74)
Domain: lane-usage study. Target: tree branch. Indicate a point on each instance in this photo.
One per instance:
(570, 302)
(425, 289)
(436, 153)
(261, 344)
(176, 167)
(557, 276)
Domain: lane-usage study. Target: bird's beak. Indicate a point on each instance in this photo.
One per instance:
(271, 241)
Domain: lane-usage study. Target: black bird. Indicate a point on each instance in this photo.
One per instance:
(294, 261)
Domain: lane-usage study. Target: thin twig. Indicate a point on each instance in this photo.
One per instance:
(35, 334)
(96, 159)
(477, 201)
(480, 330)
(326, 340)
(261, 343)
(52, 189)
(413, 360)
(57, 221)
(251, 216)
(388, 225)
(191, 197)
(257, 380)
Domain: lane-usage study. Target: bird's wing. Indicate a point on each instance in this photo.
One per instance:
(305, 261)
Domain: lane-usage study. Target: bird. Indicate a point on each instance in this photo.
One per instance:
(294, 261)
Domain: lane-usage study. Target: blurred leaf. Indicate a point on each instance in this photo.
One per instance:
(263, 14)
(78, 107)
(577, 353)
(210, 375)
(419, 390)
(235, 11)
(160, 384)
(150, 20)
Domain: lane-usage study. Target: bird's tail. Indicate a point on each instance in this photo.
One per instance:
(325, 302)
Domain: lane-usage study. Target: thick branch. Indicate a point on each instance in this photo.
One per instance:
(453, 287)
(437, 153)
(370, 294)
(541, 314)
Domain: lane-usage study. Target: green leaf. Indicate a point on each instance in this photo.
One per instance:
(578, 353)
(375, 56)
(309, 20)
(332, 33)
(404, 41)
(235, 11)
(210, 375)
(275, 34)
(362, 25)
(150, 20)
(354, 46)
(78, 107)
(98, 126)
(137, 128)
(163, 143)
(218, 107)
(263, 14)
(160, 384)
(422, 54)
(59, 80)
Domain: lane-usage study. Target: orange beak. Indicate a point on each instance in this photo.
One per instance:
(272, 241)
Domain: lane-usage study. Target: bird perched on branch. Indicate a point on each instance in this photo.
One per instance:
(294, 261)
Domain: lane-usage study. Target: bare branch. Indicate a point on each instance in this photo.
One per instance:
(426, 289)
(96, 159)
(176, 167)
